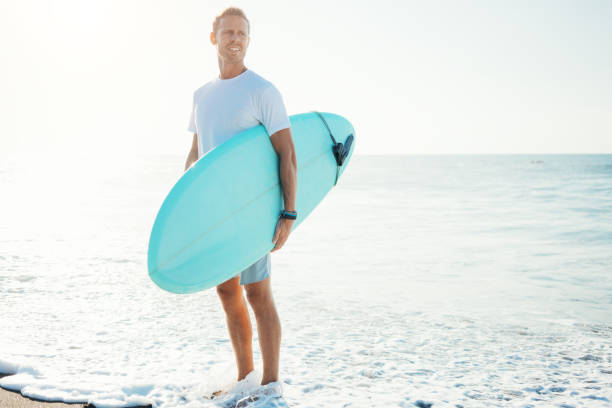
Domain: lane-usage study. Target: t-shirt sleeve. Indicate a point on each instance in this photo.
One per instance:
(273, 114)
(192, 126)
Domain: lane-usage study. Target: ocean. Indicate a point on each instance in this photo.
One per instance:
(419, 281)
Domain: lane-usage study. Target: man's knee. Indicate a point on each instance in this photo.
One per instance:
(230, 291)
(259, 294)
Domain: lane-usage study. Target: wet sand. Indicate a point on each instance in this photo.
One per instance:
(13, 399)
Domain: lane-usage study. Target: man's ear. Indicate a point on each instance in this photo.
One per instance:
(213, 39)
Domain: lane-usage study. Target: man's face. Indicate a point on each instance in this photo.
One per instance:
(231, 39)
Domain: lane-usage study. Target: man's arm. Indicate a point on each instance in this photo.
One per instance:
(192, 157)
(283, 144)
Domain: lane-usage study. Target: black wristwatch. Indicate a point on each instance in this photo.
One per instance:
(290, 215)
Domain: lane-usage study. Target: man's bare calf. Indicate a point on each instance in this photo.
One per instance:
(259, 295)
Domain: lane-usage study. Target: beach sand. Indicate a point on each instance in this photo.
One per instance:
(12, 399)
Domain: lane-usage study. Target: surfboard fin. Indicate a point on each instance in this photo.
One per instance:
(341, 151)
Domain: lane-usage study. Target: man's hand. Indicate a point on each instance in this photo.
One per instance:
(283, 228)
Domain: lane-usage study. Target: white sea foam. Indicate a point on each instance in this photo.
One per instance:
(453, 281)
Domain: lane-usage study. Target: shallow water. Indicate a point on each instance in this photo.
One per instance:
(446, 280)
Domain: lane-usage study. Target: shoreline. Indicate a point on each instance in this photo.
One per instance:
(14, 399)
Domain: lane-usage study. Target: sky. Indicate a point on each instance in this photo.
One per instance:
(100, 77)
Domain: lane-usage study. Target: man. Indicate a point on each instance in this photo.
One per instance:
(237, 100)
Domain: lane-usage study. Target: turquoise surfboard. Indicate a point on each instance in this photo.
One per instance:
(220, 216)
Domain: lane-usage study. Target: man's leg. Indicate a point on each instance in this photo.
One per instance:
(238, 324)
(260, 297)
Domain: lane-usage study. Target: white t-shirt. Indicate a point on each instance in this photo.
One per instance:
(222, 108)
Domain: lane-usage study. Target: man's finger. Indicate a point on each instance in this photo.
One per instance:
(277, 231)
(278, 246)
(280, 241)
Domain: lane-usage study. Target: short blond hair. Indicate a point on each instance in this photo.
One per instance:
(230, 11)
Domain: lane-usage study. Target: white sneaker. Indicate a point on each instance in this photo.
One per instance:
(262, 394)
(273, 389)
(247, 386)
